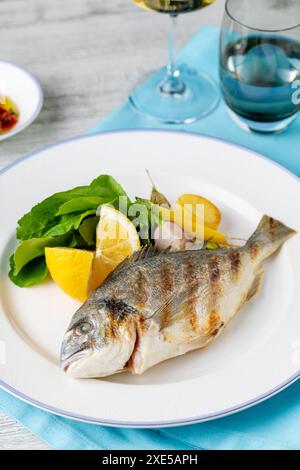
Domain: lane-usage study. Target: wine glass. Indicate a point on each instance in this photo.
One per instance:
(260, 63)
(176, 94)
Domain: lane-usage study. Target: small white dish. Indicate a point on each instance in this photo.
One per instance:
(26, 93)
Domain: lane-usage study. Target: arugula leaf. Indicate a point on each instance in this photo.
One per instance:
(42, 217)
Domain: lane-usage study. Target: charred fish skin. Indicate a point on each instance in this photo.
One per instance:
(213, 288)
(155, 307)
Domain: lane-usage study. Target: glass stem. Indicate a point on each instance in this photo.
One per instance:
(172, 84)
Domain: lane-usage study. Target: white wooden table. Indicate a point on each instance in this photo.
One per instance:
(88, 55)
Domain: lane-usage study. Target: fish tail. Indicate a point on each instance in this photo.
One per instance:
(269, 236)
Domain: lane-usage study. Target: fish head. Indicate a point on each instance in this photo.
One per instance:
(100, 339)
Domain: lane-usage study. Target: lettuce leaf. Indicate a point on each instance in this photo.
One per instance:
(79, 204)
(33, 272)
(66, 223)
(34, 248)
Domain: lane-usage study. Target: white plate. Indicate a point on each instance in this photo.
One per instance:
(256, 356)
(25, 92)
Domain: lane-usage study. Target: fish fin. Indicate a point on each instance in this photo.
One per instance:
(146, 252)
(255, 285)
(268, 237)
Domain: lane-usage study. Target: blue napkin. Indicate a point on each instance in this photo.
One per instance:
(274, 424)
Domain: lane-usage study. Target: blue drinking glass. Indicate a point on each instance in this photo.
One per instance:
(260, 63)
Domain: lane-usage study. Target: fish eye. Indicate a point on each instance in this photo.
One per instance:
(84, 328)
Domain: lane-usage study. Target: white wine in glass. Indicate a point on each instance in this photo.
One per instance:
(176, 94)
(173, 6)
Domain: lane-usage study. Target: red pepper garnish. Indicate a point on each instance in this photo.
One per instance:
(8, 119)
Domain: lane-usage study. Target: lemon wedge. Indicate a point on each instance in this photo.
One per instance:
(116, 239)
(79, 272)
(71, 269)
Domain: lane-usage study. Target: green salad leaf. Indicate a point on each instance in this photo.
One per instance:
(148, 215)
(34, 272)
(45, 216)
(27, 264)
(87, 230)
(66, 223)
(34, 248)
(68, 218)
(79, 204)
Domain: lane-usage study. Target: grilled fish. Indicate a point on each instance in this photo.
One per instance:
(157, 306)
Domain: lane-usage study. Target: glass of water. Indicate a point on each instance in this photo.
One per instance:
(260, 62)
